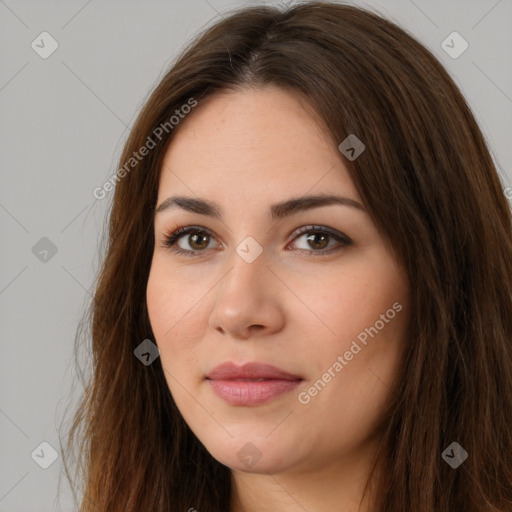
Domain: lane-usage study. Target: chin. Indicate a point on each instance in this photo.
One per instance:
(254, 453)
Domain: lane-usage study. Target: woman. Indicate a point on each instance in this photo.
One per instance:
(306, 300)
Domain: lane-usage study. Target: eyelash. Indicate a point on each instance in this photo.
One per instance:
(172, 237)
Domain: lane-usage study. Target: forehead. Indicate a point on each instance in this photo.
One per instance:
(255, 141)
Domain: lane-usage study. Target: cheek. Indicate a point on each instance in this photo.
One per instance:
(354, 306)
(367, 315)
(171, 299)
(170, 311)
(167, 314)
(159, 299)
(363, 379)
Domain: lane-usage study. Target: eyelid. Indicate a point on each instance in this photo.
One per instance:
(323, 229)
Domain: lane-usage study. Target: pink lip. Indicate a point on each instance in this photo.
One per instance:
(251, 383)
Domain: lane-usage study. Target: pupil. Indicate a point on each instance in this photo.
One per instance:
(196, 236)
(314, 238)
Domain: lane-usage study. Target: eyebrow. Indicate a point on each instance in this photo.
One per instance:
(277, 211)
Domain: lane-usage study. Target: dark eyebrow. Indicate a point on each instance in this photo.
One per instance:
(277, 211)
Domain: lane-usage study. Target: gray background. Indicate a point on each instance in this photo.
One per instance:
(62, 125)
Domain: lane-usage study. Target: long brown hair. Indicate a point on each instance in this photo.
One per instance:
(429, 183)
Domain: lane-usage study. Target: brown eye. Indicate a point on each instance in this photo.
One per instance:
(197, 241)
(318, 239)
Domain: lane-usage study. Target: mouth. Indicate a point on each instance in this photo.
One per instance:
(251, 383)
(251, 392)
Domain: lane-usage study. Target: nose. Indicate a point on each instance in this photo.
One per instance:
(248, 301)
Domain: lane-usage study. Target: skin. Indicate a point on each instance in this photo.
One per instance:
(246, 150)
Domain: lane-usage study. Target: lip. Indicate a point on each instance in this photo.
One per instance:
(252, 383)
(252, 370)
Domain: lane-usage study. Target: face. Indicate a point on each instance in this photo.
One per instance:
(311, 289)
